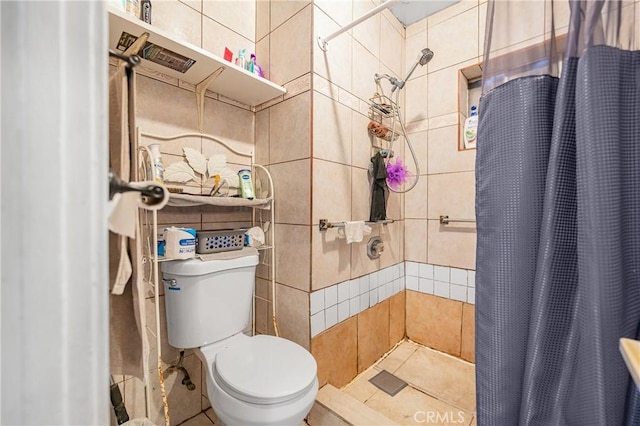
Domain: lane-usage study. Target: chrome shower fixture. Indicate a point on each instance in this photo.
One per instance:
(425, 56)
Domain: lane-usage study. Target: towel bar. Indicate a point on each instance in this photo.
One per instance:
(325, 224)
(445, 220)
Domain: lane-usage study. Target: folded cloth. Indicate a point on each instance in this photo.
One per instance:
(354, 231)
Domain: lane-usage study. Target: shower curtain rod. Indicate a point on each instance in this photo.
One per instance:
(324, 41)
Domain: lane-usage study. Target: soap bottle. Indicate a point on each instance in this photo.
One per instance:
(471, 128)
(240, 60)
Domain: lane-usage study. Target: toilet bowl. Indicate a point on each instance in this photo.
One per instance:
(261, 380)
(258, 380)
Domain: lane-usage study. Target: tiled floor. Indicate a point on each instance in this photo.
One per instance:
(441, 388)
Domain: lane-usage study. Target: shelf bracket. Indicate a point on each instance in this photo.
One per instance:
(137, 45)
(201, 88)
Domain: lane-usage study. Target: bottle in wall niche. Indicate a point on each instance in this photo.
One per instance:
(145, 11)
(471, 128)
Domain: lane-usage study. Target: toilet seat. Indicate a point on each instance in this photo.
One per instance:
(265, 370)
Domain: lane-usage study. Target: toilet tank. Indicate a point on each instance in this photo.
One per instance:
(207, 301)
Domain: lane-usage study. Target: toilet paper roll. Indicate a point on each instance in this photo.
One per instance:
(179, 243)
(124, 208)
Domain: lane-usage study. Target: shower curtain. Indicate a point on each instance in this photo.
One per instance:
(558, 215)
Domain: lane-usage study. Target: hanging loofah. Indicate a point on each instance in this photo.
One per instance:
(397, 174)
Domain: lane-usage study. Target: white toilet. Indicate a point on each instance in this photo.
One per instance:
(260, 380)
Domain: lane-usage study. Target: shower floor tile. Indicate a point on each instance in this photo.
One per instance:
(441, 388)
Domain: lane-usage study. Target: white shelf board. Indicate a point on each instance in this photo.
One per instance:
(235, 83)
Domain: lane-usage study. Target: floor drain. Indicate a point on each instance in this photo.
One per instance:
(388, 383)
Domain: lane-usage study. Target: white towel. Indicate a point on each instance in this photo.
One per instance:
(354, 231)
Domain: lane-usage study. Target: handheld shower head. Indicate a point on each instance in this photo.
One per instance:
(427, 55)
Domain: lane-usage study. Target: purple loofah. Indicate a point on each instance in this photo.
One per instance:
(397, 174)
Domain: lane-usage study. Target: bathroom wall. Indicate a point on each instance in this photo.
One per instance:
(167, 106)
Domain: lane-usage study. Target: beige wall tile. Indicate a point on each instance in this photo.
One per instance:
(331, 130)
(397, 314)
(373, 334)
(392, 236)
(282, 10)
(468, 350)
(262, 137)
(444, 156)
(292, 196)
(450, 12)
(361, 148)
(445, 120)
(360, 262)
(416, 28)
(292, 314)
(263, 18)
(330, 263)
(391, 47)
(415, 244)
(262, 55)
(367, 32)
(261, 318)
(292, 255)
(419, 142)
(230, 122)
(297, 86)
(482, 24)
(415, 201)
(413, 50)
(416, 99)
(339, 11)
(153, 116)
(290, 129)
(528, 29)
(327, 88)
(452, 245)
(454, 40)
(434, 321)
(216, 36)
(365, 65)
(452, 379)
(179, 20)
(195, 4)
(331, 191)
(335, 351)
(397, 25)
(240, 16)
(443, 92)
(334, 64)
(452, 194)
(290, 48)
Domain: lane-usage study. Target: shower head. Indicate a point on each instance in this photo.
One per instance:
(427, 55)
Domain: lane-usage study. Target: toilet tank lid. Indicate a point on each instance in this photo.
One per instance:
(198, 266)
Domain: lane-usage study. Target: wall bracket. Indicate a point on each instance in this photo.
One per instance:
(201, 88)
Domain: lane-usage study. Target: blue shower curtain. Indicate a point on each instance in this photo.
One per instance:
(558, 220)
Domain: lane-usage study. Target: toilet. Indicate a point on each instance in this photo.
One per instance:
(259, 380)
